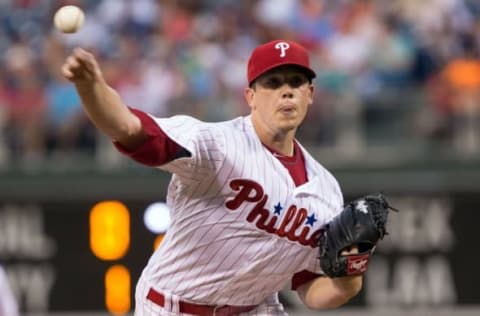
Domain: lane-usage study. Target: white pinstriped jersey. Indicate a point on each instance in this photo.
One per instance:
(240, 227)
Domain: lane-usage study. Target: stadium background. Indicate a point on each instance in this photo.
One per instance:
(397, 110)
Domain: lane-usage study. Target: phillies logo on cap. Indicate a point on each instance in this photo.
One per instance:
(275, 54)
(282, 46)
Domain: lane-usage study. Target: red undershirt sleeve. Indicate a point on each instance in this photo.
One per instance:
(303, 277)
(157, 149)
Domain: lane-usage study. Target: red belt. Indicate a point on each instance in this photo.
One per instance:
(200, 310)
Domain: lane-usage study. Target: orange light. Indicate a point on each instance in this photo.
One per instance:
(109, 230)
(158, 241)
(117, 290)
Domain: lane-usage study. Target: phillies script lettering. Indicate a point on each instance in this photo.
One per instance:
(292, 225)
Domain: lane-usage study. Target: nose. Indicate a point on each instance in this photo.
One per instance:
(287, 93)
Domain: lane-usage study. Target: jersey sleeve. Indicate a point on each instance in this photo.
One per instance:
(157, 149)
(204, 142)
(311, 271)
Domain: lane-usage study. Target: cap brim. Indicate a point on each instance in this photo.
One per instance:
(310, 73)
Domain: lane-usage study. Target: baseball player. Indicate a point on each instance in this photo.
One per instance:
(8, 303)
(248, 201)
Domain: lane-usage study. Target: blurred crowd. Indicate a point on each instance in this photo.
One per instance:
(390, 72)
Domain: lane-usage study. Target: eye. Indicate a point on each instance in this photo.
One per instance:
(272, 82)
(296, 81)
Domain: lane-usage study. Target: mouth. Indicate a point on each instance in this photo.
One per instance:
(287, 108)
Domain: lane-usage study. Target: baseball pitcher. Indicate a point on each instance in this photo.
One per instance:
(252, 210)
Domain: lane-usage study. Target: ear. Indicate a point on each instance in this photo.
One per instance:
(249, 95)
(311, 88)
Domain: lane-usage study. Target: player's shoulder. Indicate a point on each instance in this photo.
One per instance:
(326, 173)
(188, 128)
(328, 176)
(237, 122)
(182, 118)
(328, 181)
(192, 123)
(235, 126)
(221, 131)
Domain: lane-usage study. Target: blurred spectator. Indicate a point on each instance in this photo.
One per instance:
(374, 59)
(391, 55)
(311, 22)
(4, 150)
(461, 80)
(8, 303)
(65, 120)
(347, 51)
(275, 12)
(26, 104)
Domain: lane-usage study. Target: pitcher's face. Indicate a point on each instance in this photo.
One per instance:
(280, 98)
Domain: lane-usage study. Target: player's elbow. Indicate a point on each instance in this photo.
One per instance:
(335, 301)
(345, 294)
(339, 292)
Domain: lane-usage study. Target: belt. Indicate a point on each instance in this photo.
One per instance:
(200, 310)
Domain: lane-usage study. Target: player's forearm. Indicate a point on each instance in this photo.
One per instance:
(102, 104)
(325, 293)
(107, 111)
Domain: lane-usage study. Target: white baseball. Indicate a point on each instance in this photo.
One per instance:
(69, 19)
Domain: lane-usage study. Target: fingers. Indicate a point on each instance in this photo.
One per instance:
(350, 250)
(80, 66)
(85, 59)
(67, 72)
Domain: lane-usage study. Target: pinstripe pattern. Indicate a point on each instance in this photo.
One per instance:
(212, 254)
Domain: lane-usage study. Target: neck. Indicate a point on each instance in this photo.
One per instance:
(278, 140)
(286, 150)
(282, 146)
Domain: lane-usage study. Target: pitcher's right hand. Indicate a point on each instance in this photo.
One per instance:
(81, 68)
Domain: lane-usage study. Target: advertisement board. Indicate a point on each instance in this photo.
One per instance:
(428, 259)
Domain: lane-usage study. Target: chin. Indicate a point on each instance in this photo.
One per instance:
(288, 126)
(292, 120)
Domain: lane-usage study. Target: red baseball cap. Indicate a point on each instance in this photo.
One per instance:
(277, 53)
